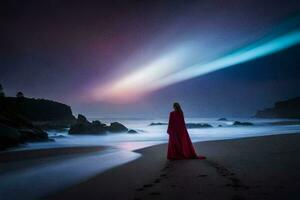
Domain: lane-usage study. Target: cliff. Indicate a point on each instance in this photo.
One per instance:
(37, 110)
(282, 109)
(25, 119)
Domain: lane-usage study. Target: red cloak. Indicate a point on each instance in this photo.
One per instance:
(180, 145)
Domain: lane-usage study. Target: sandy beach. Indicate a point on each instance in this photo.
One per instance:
(250, 168)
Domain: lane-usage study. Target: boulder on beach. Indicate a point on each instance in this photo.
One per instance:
(238, 123)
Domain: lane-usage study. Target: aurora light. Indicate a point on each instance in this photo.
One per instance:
(243, 55)
(137, 83)
(165, 71)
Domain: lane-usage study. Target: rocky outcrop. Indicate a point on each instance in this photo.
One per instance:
(116, 127)
(9, 137)
(83, 126)
(197, 125)
(43, 113)
(282, 109)
(222, 119)
(15, 129)
(238, 123)
(81, 119)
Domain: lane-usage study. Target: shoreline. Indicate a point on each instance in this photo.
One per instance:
(249, 168)
(28, 154)
(36, 176)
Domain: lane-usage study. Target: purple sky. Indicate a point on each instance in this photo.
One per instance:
(61, 50)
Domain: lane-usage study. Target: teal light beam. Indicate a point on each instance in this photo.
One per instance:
(251, 52)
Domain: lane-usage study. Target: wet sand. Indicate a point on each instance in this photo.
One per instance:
(250, 168)
(33, 174)
(42, 153)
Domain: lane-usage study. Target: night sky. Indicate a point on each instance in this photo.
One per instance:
(66, 50)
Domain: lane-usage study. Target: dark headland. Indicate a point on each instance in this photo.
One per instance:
(282, 109)
(25, 119)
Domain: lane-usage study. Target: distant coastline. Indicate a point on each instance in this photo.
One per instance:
(282, 109)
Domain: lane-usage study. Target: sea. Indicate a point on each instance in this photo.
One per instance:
(150, 135)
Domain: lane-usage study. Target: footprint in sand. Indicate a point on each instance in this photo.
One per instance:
(157, 180)
(235, 182)
(147, 185)
(236, 197)
(154, 193)
(163, 175)
(139, 189)
(144, 187)
(202, 175)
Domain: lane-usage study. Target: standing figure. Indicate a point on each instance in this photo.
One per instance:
(180, 145)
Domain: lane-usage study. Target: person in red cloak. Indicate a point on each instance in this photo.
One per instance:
(180, 145)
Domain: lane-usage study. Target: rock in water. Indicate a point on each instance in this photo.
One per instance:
(79, 128)
(197, 125)
(237, 123)
(97, 126)
(83, 126)
(117, 127)
(132, 131)
(157, 124)
(222, 119)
